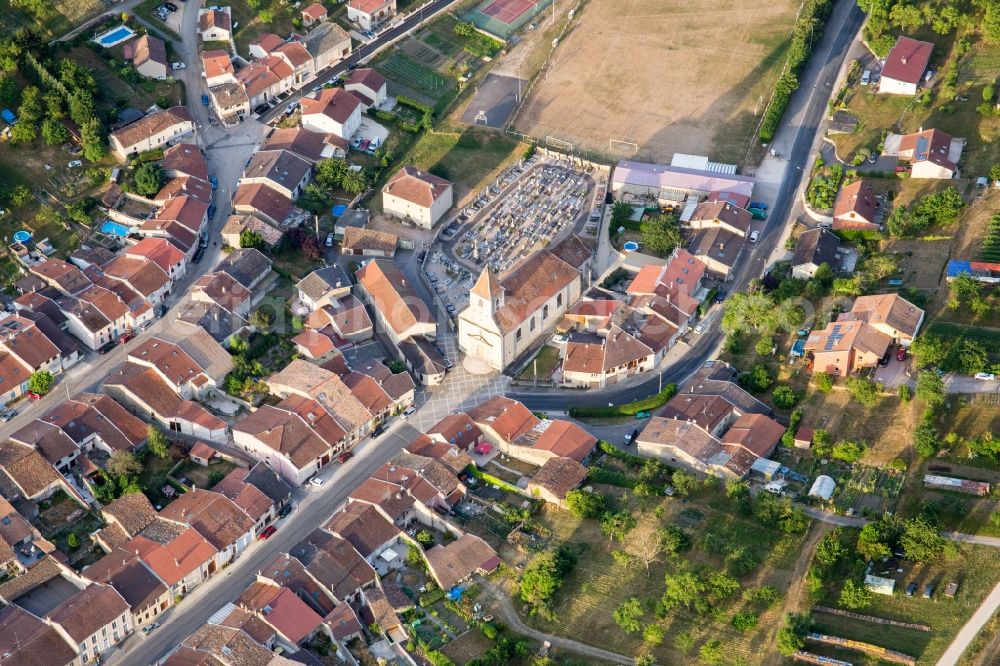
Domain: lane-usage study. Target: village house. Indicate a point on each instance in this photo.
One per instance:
(308, 381)
(323, 287)
(904, 67)
(455, 562)
(297, 57)
(368, 85)
(216, 518)
(930, 153)
(248, 266)
(399, 310)
(312, 146)
(30, 347)
(281, 170)
(890, 314)
(718, 249)
(506, 316)
(335, 564)
(362, 242)
(258, 500)
(237, 224)
(344, 321)
(369, 14)
(161, 252)
(594, 361)
(215, 24)
(856, 207)
(555, 478)
(314, 13)
(263, 201)
(845, 347)
(230, 102)
(94, 619)
(292, 621)
(417, 196)
(328, 44)
(372, 535)
(722, 215)
(223, 291)
(26, 639)
(151, 131)
(265, 79)
(179, 556)
(218, 67)
(333, 111)
(149, 57)
(813, 248)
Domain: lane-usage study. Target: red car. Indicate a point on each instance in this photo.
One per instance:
(901, 354)
(34, 396)
(345, 456)
(125, 337)
(268, 531)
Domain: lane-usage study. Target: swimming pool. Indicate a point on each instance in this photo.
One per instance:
(630, 246)
(115, 36)
(113, 228)
(22, 236)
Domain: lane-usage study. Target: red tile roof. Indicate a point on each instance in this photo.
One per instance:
(416, 186)
(908, 60)
(335, 103)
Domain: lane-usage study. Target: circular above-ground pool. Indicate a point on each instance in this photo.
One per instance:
(22, 236)
(338, 210)
(630, 246)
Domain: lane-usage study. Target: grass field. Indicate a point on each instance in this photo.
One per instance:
(56, 18)
(545, 363)
(595, 587)
(668, 76)
(973, 568)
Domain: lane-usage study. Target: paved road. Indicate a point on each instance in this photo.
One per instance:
(314, 509)
(802, 121)
(971, 629)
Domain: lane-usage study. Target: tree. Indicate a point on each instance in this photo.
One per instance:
(865, 391)
(543, 576)
(682, 589)
(251, 239)
(674, 539)
(10, 55)
(855, 596)
(830, 549)
(929, 350)
(122, 464)
(628, 615)
(785, 397)
(314, 199)
(265, 15)
(712, 653)
(660, 234)
(23, 132)
(848, 451)
(585, 505)
(91, 139)
(261, 319)
(878, 537)
(40, 382)
(621, 213)
(425, 539)
(930, 389)
(354, 181)
(926, 440)
(616, 525)
(920, 540)
(148, 178)
(824, 381)
(758, 380)
(645, 542)
(745, 620)
(684, 482)
(73, 541)
(749, 311)
(157, 442)
(791, 637)
(991, 22)
(653, 634)
(54, 132)
(738, 493)
(21, 195)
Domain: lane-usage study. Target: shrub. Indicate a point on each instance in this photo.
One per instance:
(745, 620)
(583, 504)
(628, 409)
(758, 380)
(414, 104)
(784, 397)
(848, 451)
(824, 381)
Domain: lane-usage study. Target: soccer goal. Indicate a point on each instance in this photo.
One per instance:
(622, 147)
(558, 144)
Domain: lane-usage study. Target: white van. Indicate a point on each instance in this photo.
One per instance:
(866, 77)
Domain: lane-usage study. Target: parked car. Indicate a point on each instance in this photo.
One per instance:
(986, 376)
(316, 481)
(125, 337)
(720, 296)
(285, 510)
(901, 354)
(377, 431)
(108, 347)
(631, 437)
(198, 254)
(267, 532)
(928, 590)
(758, 213)
(329, 240)
(873, 158)
(177, 65)
(911, 589)
(758, 204)
(903, 168)
(642, 415)
(204, 99)
(345, 456)
(211, 211)
(7, 415)
(866, 77)
(75, 164)
(148, 629)
(410, 411)
(171, 6)
(699, 328)
(214, 181)
(754, 236)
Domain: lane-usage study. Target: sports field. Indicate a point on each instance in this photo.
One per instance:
(662, 76)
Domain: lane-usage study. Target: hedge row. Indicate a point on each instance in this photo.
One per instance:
(626, 457)
(477, 473)
(628, 409)
(414, 104)
(806, 32)
(610, 477)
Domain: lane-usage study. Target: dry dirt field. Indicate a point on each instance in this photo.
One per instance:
(668, 75)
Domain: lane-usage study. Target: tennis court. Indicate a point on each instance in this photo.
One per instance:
(503, 17)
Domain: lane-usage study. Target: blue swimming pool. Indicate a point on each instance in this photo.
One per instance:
(113, 228)
(115, 36)
(630, 246)
(338, 210)
(22, 236)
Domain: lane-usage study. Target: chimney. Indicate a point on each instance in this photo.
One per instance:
(904, 59)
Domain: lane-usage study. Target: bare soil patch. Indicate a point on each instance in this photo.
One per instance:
(668, 76)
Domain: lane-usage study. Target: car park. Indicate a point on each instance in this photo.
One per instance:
(267, 532)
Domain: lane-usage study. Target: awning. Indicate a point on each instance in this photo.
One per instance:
(389, 555)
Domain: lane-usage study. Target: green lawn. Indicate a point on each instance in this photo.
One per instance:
(154, 477)
(545, 363)
(204, 477)
(402, 68)
(973, 568)
(56, 18)
(251, 25)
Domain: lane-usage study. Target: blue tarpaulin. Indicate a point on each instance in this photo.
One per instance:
(338, 210)
(9, 117)
(958, 266)
(455, 593)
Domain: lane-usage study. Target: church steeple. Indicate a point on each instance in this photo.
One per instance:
(488, 289)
